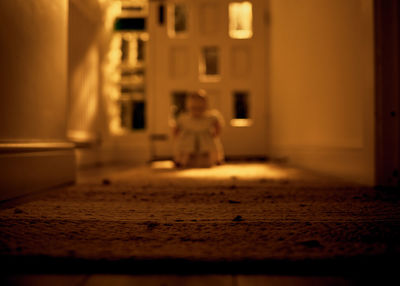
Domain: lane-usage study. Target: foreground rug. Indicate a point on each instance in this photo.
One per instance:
(253, 216)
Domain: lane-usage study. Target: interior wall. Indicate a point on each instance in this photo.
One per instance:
(33, 57)
(34, 152)
(322, 86)
(88, 40)
(83, 71)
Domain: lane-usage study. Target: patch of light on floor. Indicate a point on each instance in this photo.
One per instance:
(162, 165)
(240, 171)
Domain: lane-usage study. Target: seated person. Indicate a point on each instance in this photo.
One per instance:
(197, 133)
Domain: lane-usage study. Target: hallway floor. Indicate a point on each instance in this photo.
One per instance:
(243, 218)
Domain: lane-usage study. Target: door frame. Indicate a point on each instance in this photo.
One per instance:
(387, 92)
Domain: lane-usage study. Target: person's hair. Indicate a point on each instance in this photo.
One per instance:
(200, 94)
(197, 95)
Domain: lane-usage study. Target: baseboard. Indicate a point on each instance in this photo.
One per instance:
(31, 167)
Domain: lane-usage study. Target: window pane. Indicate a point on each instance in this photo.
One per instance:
(241, 110)
(209, 64)
(139, 115)
(130, 24)
(178, 102)
(241, 106)
(132, 111)
(124, 50)
(177, 20)
(140, 49)
(161, 11)
(211, 60)
(132, 50)
(240, 20)
(180, 18)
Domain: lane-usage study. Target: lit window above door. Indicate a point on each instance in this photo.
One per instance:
(240, 20)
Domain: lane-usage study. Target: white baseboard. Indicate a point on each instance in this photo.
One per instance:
(30, 167)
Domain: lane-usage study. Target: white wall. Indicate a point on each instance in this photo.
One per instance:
(322, 85)
(33, 57)
(88, 40)
(34, 153)
(83, 70)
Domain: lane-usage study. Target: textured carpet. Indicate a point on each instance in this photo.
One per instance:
(233, 213)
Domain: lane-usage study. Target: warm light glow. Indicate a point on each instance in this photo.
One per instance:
(238, 171)
(240, 20)
(83, 103)
(113, 66)
(79, 136)
(209, 78)
(163, 165)
(112, 69)
(240, 122)
(111, 89)
(113, 9)
(242, 171)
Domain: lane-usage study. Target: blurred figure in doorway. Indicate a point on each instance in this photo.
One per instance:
(197, 133)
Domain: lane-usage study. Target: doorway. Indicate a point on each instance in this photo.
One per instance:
(218, 46)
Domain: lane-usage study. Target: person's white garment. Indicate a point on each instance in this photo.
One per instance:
(196, 134)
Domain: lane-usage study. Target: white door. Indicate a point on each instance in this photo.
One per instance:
(218, 46)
